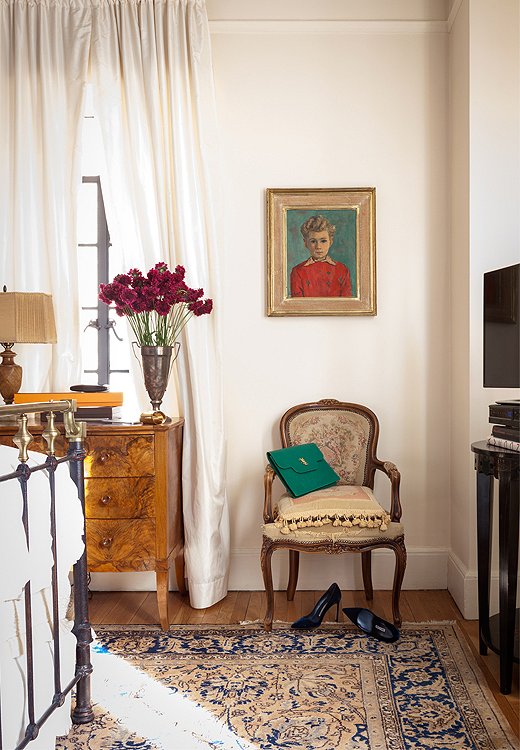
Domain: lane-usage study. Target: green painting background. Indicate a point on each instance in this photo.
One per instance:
(344, 245)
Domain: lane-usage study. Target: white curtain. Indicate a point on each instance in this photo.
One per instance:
(153, 93)
(44, 49)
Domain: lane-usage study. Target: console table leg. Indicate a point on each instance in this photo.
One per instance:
(484, 533)
(508, 555)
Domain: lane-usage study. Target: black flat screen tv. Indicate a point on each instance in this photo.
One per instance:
(502, 328)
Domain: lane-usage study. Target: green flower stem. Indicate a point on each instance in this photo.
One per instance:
(152, 329)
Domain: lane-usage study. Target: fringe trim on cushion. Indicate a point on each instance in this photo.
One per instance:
(377, 520)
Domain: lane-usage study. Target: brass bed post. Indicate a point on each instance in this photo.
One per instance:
(82, 713)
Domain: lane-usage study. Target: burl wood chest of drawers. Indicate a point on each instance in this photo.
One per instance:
(133, 501)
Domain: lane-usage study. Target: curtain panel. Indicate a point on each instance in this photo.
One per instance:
(149, 64)
(44, 51)
(153, 92)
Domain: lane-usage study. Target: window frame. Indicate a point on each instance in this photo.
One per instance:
(102, 322)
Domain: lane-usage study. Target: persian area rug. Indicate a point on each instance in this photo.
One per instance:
(241, 688)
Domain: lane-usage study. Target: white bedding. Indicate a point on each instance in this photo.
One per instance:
(18, 563)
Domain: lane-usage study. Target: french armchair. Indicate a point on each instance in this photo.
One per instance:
(343, 518)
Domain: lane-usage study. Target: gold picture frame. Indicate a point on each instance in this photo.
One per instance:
(303, 278)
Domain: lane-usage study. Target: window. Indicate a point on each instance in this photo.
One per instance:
(104, 348)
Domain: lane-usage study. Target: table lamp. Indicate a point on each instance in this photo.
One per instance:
(25, 318)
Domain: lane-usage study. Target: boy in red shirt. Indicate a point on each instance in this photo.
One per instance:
(319, 275)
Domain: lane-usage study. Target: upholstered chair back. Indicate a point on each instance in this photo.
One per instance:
(345, 433)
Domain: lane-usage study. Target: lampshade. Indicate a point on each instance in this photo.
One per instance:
(27, 318)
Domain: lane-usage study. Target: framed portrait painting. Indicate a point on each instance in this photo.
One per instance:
(321, 256)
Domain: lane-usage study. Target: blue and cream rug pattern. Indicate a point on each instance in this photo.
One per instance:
(238, 688)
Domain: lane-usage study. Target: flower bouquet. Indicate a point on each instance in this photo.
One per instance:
(157, 306)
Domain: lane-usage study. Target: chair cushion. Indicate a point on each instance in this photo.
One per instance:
(350, 507)
(336, 535)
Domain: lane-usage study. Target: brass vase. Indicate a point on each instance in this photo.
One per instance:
(156, 365)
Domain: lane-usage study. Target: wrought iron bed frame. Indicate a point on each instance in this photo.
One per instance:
(75, 433)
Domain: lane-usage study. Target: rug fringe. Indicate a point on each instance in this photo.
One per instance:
(342, 624)
(251, 623)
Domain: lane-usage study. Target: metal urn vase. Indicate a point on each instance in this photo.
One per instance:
(156, 364)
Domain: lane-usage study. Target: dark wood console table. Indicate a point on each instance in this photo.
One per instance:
(499, 633)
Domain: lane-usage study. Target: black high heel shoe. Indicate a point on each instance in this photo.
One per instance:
(372, 625)
(324, 603)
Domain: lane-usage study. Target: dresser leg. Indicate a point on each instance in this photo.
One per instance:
(162, 598)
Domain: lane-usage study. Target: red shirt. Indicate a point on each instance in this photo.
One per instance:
(327, 278)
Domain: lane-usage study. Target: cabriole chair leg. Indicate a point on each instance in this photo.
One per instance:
(366, 567)
(265, 562)
(400, 566)
(294, 565)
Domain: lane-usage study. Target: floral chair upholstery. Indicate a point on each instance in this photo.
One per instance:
(343, 518)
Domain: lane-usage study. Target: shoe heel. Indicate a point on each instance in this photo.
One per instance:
(325, 602)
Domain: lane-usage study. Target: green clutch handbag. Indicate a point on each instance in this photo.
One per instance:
(302, 468)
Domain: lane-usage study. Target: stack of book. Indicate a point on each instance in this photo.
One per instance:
(90, 406)
(505, 437)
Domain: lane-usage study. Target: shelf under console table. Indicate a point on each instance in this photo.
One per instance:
(133, 499)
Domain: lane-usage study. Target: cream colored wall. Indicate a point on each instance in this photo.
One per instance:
(338, 105)
(485, 158)
(462, 482)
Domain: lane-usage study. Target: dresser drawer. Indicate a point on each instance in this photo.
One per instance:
(131, 497)
(121, 545)
(119, 456)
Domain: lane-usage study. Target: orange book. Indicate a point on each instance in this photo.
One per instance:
(103, 398)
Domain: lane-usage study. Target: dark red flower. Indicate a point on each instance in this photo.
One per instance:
(138, 306)
(123, 278)
(200, 307)
(128, 296)
(162, 307)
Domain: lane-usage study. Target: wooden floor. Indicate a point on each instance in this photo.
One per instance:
(132, 607)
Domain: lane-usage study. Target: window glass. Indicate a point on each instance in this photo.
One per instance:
(89, 339)
(119, 381)
(119, 350)
(98, 263)
(115, 262)
(88, 274)
(87, 213)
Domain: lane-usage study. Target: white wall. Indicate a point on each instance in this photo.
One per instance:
(462, 481)
(317, 104)
(485, 154)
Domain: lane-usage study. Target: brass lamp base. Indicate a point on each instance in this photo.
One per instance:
(10, 374)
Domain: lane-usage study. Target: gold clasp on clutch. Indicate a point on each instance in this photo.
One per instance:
(304, 461)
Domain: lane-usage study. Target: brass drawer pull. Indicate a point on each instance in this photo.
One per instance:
(104, 458)
(105, 500)
(106, 542)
